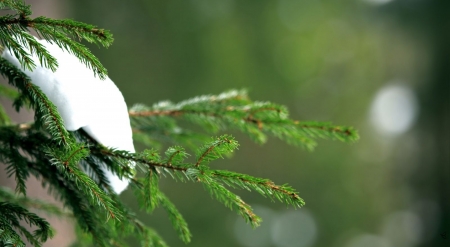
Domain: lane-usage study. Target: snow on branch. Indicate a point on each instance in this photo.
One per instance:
(46, 111)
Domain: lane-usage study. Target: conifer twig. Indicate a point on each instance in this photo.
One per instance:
(234, 110)
(243, 181)
(45, 110)
(11, 214)
(211, 179)
(57, 31)
(68, 160)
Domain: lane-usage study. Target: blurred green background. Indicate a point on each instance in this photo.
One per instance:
(381, 66)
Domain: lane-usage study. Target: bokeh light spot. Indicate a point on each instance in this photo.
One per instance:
(394, 110)
(258, 237)
(294, 229)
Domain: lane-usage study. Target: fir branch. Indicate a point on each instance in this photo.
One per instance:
(153, 131)
(12, 213)
(10, 40)
(161, 113)
(10, 155)
(226, 197)
(150, 159)
(78, 50)
(175, 154)
(173, 161)
(135, 158)
(209, 178)
(76, 29)
(13, 34)
(329, 131)
(149, 237)
(29, 237)
(48, 26)
(215, 149)
(17, 5)
(234, 110)
(93, 167)
(45, 110)
(178, 221)
(87, 218)
(153, 197)
(121, 167)
(17, 167)
(66, 161)
(265, 187)
(150, 190)
(283, 193)
(23, 45)
(8, 236)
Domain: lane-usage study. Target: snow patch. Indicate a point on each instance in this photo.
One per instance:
(84, 101)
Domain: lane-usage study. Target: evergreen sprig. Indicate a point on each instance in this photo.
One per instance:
(16, 5)
(71, 164)
(10, 216)
(232, 110)
(177, 220)
(14, 34)
(45, 111)
(215, 149)
(66, 161)
(11, 156)
(265, 187)
(36, 161)
(151, 238)
(229, 199)
(214, 181)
